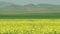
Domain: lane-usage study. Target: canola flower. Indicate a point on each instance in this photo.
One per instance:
(29, 26)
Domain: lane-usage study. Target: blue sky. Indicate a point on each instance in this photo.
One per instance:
(23, 2)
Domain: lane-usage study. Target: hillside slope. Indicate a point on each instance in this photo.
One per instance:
(7, 8)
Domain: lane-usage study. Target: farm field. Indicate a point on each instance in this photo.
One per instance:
(29, 26)
(31, 16)
(35, 17)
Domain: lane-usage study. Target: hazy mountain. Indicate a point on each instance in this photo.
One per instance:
(10, 7)
(3, 4)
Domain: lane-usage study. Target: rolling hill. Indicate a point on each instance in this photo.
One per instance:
(7, 8)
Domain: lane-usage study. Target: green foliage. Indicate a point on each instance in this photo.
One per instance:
(29, 16)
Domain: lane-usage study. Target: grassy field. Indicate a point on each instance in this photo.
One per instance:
(31, 16)
(29, 26)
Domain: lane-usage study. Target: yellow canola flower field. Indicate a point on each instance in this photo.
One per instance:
(29, 26)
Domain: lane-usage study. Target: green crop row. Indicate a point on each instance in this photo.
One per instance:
(28, 16)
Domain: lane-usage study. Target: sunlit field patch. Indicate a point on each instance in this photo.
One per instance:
(29, 26)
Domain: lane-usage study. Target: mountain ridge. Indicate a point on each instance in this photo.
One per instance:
(11, 7)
